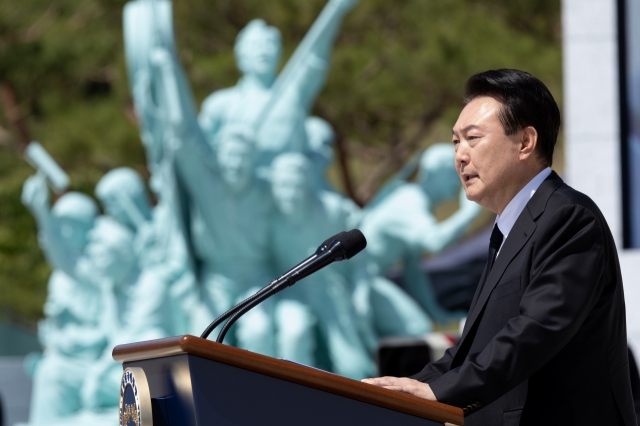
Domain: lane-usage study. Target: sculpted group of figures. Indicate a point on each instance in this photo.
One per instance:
(241, 197)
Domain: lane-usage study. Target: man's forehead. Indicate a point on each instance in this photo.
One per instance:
(478, 113)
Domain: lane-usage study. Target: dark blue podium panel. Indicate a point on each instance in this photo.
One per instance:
(224, 395)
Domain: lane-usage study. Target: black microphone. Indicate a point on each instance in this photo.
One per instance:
(340, 247)
(313, 259)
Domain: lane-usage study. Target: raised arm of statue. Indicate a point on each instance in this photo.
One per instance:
(169, 88)
(187, 147)
(182, 125)
(40, 159)
(436, 236)
(161, 103)
(162, 96)
(35, 196)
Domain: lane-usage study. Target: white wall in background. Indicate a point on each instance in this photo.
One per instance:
(592, 127)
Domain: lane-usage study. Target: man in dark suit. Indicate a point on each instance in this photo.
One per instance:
(545, 341)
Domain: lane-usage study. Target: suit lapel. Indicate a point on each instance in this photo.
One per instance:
(477, 292)
(517, 238)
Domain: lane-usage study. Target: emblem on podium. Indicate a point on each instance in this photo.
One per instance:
(135, 398)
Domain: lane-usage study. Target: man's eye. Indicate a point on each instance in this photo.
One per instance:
(456, 141)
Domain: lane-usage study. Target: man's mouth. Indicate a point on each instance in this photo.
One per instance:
(468, 178)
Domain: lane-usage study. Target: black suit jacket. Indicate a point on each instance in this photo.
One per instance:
(545, 341)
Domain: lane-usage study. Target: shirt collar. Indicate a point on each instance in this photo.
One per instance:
(508, 218)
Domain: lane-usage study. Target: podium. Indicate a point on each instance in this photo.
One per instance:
(189, 381)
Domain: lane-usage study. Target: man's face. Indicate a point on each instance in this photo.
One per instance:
(235, 160)
(487, 160)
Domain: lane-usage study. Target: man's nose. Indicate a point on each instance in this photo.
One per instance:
(462, 153)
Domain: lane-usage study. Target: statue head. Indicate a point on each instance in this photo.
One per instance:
(124, 197)
(321, 139)
(258, 49)
(437, 174)
(75, 213)
(110, 250)
(290, 182)
(235, 155)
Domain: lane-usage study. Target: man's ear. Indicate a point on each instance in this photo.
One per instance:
(528, 142)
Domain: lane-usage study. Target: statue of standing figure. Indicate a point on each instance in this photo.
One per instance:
(71, 332)
(402, 226)
(104, 291)
(275, 107)
(305, 218)
(70, 389)
(231, 231)
(159, 249)
(110, 264)
(229, 206)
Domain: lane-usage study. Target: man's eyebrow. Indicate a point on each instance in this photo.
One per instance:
(465, 130)
(469, 127)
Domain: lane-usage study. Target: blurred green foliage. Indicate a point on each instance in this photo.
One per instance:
(395, 85)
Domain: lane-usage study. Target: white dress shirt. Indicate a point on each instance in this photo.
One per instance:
(508, 218)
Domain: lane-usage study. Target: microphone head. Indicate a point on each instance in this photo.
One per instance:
(353, 242)
(325, 245)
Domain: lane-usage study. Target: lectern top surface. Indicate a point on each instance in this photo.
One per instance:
(289, 371)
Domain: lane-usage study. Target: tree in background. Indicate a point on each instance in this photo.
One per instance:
(395, 87)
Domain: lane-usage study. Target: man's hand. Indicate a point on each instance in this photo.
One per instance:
(403, 384)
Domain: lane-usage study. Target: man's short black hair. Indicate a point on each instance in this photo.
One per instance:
(525, 100)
